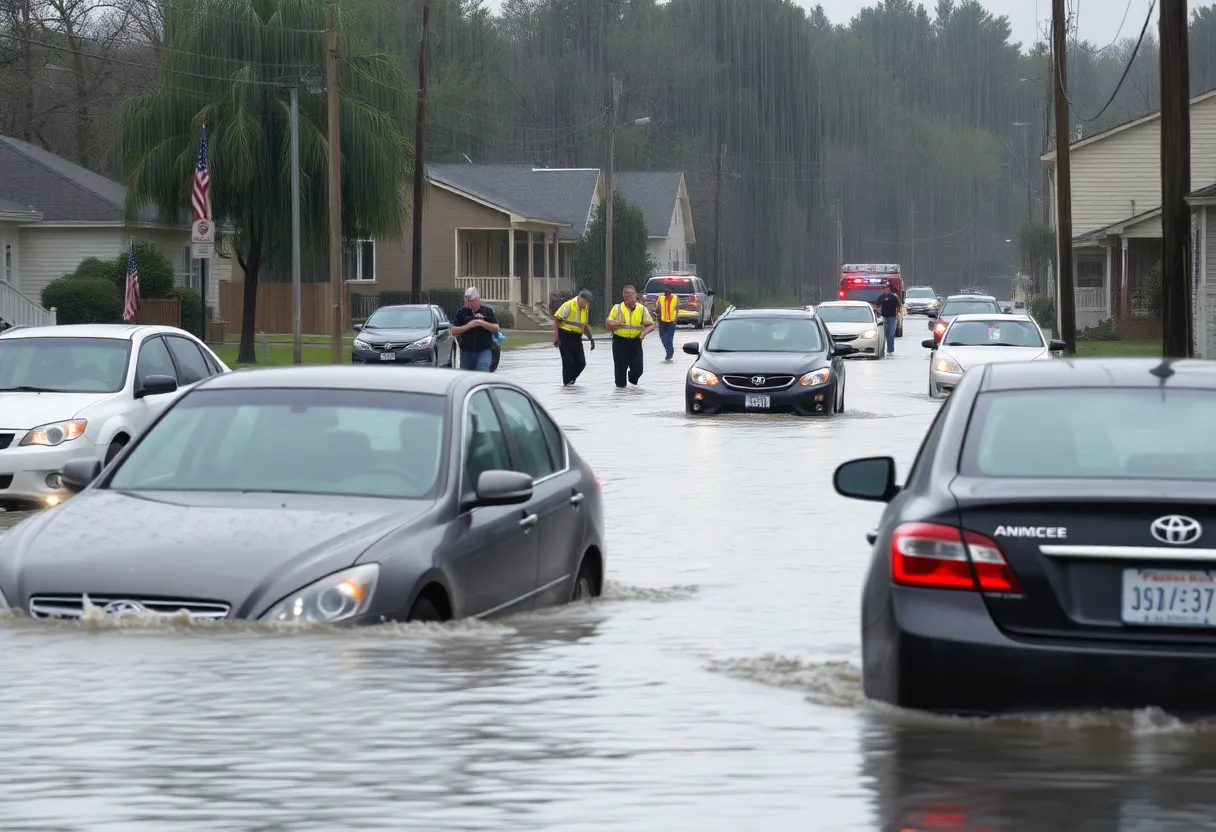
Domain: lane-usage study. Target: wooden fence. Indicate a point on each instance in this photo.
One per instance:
(274, 307)
(159, 312)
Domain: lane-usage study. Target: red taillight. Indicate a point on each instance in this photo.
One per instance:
(841, 293)
(692, 301)
(933, 556)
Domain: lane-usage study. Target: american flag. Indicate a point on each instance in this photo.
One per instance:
(130, 303)
(200, 194)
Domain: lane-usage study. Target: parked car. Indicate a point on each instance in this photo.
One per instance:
(84, 392)
(975, 340)
(326, 495)
(406, 334)
(694, 304)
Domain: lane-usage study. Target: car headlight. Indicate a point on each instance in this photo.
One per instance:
(817, 377)
(704, 377)
(55, 433)
(362, 345)
(422, 342)
(943, 365)
(869, 333)
(334, 598)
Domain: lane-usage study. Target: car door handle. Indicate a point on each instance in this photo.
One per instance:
(577, 500)
(872, 536)
(528, 522)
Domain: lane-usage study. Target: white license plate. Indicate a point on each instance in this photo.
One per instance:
(1169, 598)
(757, 402)
(388, 356)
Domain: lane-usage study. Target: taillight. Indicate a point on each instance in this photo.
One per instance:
(841, 294)
(933, 556)
(692, 300)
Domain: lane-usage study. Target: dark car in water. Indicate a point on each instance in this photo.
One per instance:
(766, 361)
(322, 495)
(407, 334)
(1053, 547)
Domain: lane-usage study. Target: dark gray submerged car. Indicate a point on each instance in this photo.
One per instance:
(327, 494)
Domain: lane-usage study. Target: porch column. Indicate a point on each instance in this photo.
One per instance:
(531, 301)
(548, 274)
(1107, 281)
(513, 289)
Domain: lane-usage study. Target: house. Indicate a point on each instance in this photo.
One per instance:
(663, 198)
(1116, 213)
(54, 214)
(1203, 270)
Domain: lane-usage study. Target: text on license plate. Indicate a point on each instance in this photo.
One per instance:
(1169, 598)
(758, 402)
(388, 356)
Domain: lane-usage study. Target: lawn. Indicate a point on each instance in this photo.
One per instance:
(319, 352)
(1119, 349)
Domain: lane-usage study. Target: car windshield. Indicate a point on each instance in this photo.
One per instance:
(993, 334)
(765, 335)
(921, 293)
(400, 318)
(969, 307)
(63, 365)
(846, 314)
(1119, 433)
(344, 442)
(679, 286)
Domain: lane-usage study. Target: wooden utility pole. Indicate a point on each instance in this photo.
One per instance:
(718, 277)
(1066, 303)
(614, 98)
(419, 160)
(335, 184)
(1176, 324)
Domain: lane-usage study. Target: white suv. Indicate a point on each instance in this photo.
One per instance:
(80, 392)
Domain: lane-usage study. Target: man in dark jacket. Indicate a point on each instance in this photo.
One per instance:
(888, 307)
(475, 325)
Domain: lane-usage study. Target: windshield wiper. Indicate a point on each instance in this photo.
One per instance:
(25, 388)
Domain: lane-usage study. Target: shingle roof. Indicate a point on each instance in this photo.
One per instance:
(1203, 193)
(58, 189)
(655, 191)
(556, 195)
(13, 206)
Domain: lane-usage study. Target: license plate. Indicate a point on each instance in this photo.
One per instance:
(388, 356)
(757, 402)
(1169, 598)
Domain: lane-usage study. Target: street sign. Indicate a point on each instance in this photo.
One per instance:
(202, 240)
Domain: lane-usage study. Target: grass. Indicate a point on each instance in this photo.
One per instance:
(1119, 349)
(281, 354)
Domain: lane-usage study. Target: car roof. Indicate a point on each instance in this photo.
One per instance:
(406, 306)
(427, 380)
(845, 303)
(1063, 373)
(971, 297)
(126, 332)
(771, 313)
(991, 316)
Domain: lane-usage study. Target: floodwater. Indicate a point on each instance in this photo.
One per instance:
(716, 686)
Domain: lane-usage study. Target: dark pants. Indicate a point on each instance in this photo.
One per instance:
(627, 359)
(495, 354)
(888, 328)
(574, 360)
(667, 334)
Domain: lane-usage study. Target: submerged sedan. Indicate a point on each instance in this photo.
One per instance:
(1053, 546)
(975, 340)
(327, 495)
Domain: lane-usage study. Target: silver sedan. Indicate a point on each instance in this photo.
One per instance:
(854, 322)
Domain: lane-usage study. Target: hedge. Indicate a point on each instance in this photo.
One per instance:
(93, 293)
(83, 300)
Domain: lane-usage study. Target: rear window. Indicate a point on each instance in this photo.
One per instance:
(970, 307)
(921, 293)
(1119, 433)
(868, 295)
(679, 286)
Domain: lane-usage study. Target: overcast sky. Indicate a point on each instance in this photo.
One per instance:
(1100, 19)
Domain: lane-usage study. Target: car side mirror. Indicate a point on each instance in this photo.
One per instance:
(156, 386)
(692, 348)
(842, 349)
(1057, 345)
(501, 488)
(78, 473)
(357, 327)
(444, 324)
(929, 344)
(872, 479)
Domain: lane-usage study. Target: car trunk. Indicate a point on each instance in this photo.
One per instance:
(1088, 562)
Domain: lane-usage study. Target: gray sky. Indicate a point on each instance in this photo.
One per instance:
(1100, 19)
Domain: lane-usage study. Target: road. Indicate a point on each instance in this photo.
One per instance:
(715, 688)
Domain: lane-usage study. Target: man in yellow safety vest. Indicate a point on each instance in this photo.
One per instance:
(629, 322)
(569, 327)
(666, 307)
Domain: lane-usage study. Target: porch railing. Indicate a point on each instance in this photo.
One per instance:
(19, 310)
(1091, 299)
(493, 289)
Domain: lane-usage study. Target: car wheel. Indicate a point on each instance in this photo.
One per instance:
(931, 388)
(584, 584)
(114, 450)
(424, 610)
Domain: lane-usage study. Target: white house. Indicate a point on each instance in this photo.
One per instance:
(54, 214)
(663, 198)
(1116, 212)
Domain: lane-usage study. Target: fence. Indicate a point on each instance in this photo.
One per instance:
(274, 307)
(159, 312)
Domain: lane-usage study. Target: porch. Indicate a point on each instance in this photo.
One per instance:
(1112, 266)
(514, 267)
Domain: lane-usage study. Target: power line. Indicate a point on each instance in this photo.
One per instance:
(1122, 22)
(1122, 78)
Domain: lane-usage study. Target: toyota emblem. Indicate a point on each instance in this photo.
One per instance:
(758, 381)
(119, 608)
(1176, 529)
(388, 347)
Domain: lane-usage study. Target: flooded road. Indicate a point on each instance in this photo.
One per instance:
(716, 686)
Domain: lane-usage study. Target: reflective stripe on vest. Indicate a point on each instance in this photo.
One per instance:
(573, 317)
(667, 308)
(632, 322)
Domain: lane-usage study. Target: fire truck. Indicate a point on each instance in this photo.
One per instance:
(865, 281)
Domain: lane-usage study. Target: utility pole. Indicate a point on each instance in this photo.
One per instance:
(718, 276)
(419, 163)
(1066, 309)
(614, 99)
(1176, 324)
(912, 265)
(335, 183)
(297, 338)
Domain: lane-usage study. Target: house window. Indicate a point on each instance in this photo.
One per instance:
(1090, 274)
(359, 261)
(8, 263)
(468, 261)
(190, 272)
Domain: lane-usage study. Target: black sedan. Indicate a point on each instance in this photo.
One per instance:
(417, 334)
(324, 495)
(766, 361)
(1054, 546)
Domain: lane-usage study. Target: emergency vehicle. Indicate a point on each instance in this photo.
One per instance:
(866, 281)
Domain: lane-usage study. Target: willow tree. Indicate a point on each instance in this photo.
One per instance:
(230, 64)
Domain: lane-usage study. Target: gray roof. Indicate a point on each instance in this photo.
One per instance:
(1203, 193)
(655, 192)
(58, 189)
(13, 206)
(560, 195)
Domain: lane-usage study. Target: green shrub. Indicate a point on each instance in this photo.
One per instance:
(1104, 331)
(505, 318)
(111, 270)
(1043, 310)
(83, 300)
(156, 277)
(191, 309)
(1154, 290)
